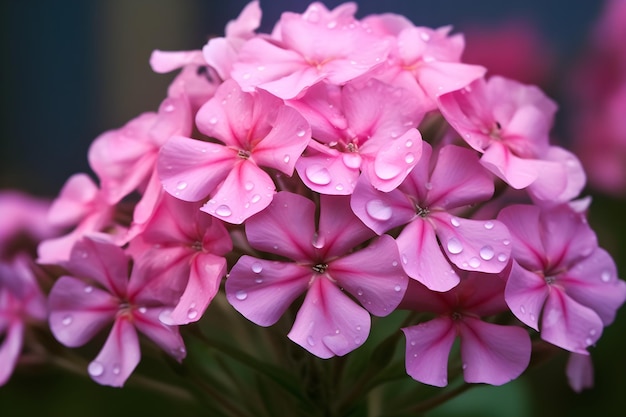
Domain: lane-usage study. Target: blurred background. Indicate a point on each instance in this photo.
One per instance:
(74, 69)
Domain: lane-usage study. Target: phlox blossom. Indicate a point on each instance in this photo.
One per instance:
(561, 283)
(97, 291)
(324, 265)
(255, 130)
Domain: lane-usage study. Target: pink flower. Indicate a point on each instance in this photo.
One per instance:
(354, 133)
(423, 60)
(21, 301)
(83, 206)
(98, 291)
(256, 130)
(560, 278)
(324, 265)
(509, 123)
(193, 245)
(579, 371)
(425, 204)
(491, 353)
(307, 48)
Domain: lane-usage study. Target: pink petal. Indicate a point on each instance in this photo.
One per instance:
(246, 23)
(458, 179)
(427, 349)
(205, 277)
(10, 349)
(492, 353)
(329, 323)
(285, 228)
(339, 229)
(419, 298)
(517, 172)
(473, 245)
(394, 160)
(438, 77)
(378, 286)
(119, 355)
(166, 61)
(262, 290)
(568, 324)
(191, 169)
(525, 294)
(523, 222)
(78, 311)
(422, 258)
(575, 178)
(579, 370)
(100, 260)
(74, 200)
(380, 211)
(327, 173)
(150, 322)
(594, 283)
(246, 191)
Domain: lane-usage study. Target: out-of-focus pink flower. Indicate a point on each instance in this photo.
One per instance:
(579, 371)
(83, 206)
(491, 353)
(425, 204)
(193, 245)
(98, 291)
(560, 277)
(305, 49)
(324, 265)
(256, 130)
(354, 134)
(21, 301)
(509, 123)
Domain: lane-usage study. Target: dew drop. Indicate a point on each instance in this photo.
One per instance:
(409, 158)
(424, 36)
(489, 225)
(464, 366)
(301, 133)
(169, 108)
(88, 289)
(352, 160)
(241, 295)
(412, 342)
(358, 328)
(318, 241)
(474, 262)
(95, 369)
(143, 310)
(408, 143)
(454, 246)
(397, 288)
(318, 174)
(339, 187)
(359, 291)
(332, 24)
(286, 159)
(213, 120)
(487, 253)
(428, 186)
(506, 242)
(378, 210)
(310, 341)
(255, 198)
(394, 263)
(522, 309)
(502, 257)
(605, 276)
(223, 211)
(589, 341)
(257, 267)
(592, 332)
(192, 313)
(532, 317)
(405, 259)
(67, 320)
(357, 340)
(116, 369)
(455, 222)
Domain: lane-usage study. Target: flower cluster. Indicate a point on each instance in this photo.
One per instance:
(330, 172)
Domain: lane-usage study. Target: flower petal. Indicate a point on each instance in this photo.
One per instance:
(10, 349)
(525, 294)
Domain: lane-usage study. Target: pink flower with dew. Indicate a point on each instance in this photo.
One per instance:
(23, 222)
(509, 123)
(256, 130)
(424, 203)
(221, 52)
(325, 266)
(561, 283)
(423, 60)
(21, 301)
(193, 245)
(83, 206)
(355, 133)
(491, 353)
(96, 292)
(304, 49)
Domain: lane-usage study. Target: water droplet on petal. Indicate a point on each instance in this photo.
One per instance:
(408, 143)
(143, 310)
(589, 341)
(405, 259)
(378, 210)
(95, 369)
(474, 262)
(522, 309)
(339, 187)
(605, 276)
(301, 133)
(487, 253)
(318, 174)
(357, 340)
(506, 242)
(88, 289)
(352, 160)
(286, 159)
(409, 158)
(502, 257)
(257, 267)
(532, 317)
(424, 36)
(455, 222)
(192, 313)
(359, 291)
(397, 288)
(318, 241)
(67, 320)
(310, 341)
(241, 295)
(454, 246)
(394, 263)
(255, 198)
(489, 225)
(249, 185)
(169, 108)
(592, 332)
(116, 369)
(213, 120)
(223, 211)
(428, 186)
